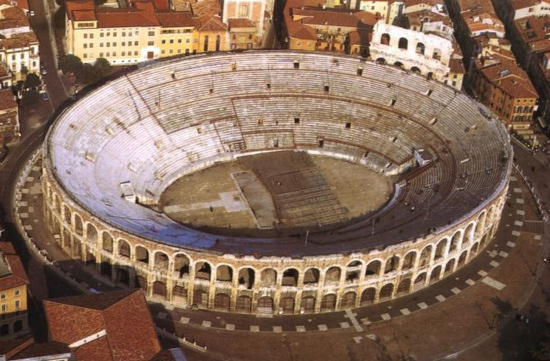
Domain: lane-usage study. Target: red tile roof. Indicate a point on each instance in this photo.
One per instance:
(172, 19)
(241, 23)
(18, 277)
(123, 315)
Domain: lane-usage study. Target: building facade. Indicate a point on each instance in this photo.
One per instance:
(9, 118)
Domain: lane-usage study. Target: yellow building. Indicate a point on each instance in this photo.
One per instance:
(176, 34)
(13, 293)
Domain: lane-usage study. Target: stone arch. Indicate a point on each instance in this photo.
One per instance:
(67, 214)
(124, 249)
(381, 61)
(332, 276)
(420, 48)
(159, 289)
(373, 268)
(222, 301)
(468, 234)
(161, 261)
(78, 227)
(17, 326)
(425, 256)
(353, 271)
(420, 280)
(392, 264)
(483, 241)
(311, 276)
(474, 249)
(398, 64)
(181, 264)
(142, 254)
(107, 241)
(268, 277)
(403, 43)
(462, 258)
(408, 261)
(491, 215)
(290, 277)
(224, 273)
(246, 277)
(404, 286)
(203, 271)
(455, 241)
(328, 303)
(367, 296)
(265, 304)
(348, 300)
(440, 249)
(449, 267)
(435, 275)
(480, 225)
(307, 304)
(437, 54)
(243, 304)
(416, 70)
(122, 275)
(386, 292)
(385, 39)
(57, 204)
(142, 283)
(286, 305)
(91, 233)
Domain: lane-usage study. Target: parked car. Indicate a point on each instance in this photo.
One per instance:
(43, 70)
(45, 96)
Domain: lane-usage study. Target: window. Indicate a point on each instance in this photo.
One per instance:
(150, 43)
(135, 43)
(123, 53)
(108, 44)
(123, 43)
(101, 45)
(91, 36)
(17, 304)
(85, 36)
(4, 308)
(2, 296)
(151, 33)
(244, 10)
(163, 42)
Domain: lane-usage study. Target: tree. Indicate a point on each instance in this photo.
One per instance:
(87, 74)
(32, 81)
(102, 67)
(70, 63)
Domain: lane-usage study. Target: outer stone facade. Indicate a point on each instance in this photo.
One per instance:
(356, 265)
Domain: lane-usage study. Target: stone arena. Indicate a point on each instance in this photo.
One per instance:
(201, 180)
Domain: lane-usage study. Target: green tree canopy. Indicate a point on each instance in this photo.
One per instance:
(32, 81)
(70, 64)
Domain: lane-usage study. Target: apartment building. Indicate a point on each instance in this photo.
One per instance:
(9, 118)
(13, 293)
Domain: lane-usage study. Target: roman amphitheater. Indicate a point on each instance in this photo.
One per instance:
(274, 182)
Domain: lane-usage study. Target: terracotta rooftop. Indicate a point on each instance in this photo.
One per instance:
(521, 4)
(241, 23)
(17, 41)
(123, 316)
(13, 17)
(457, 66)
(409, 3)
(40, 350)
(17, 276)
(533, 30)
(172, 19)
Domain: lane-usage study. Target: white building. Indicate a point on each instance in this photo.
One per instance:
(523, 8)
(387, 10)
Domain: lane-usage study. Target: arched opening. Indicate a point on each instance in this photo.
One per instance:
(159, 289)
(373, 268)
(425, 256)
(408, 261)
(181, 265)
(246, 277)
(328, 303)
(268, 277)
(416, 70)
(420, 281)
(353, 271)
(123, 248)
(385, 39)
(123, 276)
(391, 264)
(462, 258)
(435, 275)
(468, 235)
(142, 283)
(224, 273)
(105, 268)
(204, 271)
(483, 241)
(67, 213)
(368, 295)
(332, 276)
(449, 266)
(222, 301)
(430, 75)
(404, 286)
(287, 305)
(142, 254)
(244, 304)
(179, 293)
(348, 300)
(480, 226)
(91, 233)
(107, 242)
(381, 61)
(440, 249)
(437, 54)
(265, 305)
(473, 251)
(78, 225)
(311, 276)
(398, 64)
(455, 242)
(403, 43)
(308, 304)
(386, 292)
(200, 298)
(420, 48)
(4, 330)
(290, 277)
(161, 262)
